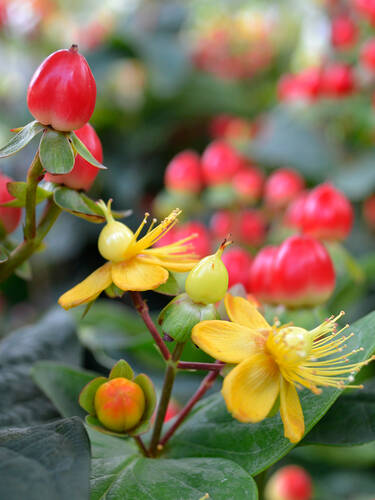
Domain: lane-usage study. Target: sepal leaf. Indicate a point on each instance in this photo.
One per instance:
(18, 190)
(82, 150)
(22, 139)
(56, 153)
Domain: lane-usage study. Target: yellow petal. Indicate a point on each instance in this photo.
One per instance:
(251, 388)
(88, 289)
(138, 275)
(291, 412)
(244, 313)
(180, 265)
(226, 341)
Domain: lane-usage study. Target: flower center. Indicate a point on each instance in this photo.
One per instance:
(290, 346)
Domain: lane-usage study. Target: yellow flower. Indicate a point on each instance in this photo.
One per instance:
(271, 361)
(139, 267)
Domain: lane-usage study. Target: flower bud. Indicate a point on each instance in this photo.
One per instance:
(62, 91)
(207, 282)
(9, 216)
(114, 238)
(248, 184)
(238, 262)
(283, 186)
(183, 173)
(220, 162)
(327, 214)
(119, 404)
(343, 32)
(83, 174)
(289, 483)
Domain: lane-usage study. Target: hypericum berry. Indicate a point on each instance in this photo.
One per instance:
(289, 483)
(250, 228)
(303, 273)
(219, 125)
(62, 91)
(220, 162)
(368, 55)
(114, 238)
(343, 32)
(119, 404)
(207, 282)
(327, 214)
(305, 85)
(9, 216)
(248, 184)
(221, 224)
(172, 410)
(261, 275)
(282, 186)
(183, 173)
(294, 212)
(369, 211)
(238, 262)
(201, 244)
(83, 174)
(338, 80)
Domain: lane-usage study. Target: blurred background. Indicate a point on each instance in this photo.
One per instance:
(288, 83)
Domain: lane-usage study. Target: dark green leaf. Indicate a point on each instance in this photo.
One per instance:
(211, 431)
(21, 139)
(103, 445)
(18, 190)
(50, 461)
(56, 153)
(83, 151)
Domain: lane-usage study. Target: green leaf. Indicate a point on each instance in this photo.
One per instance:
(49, 461)
(115, 478)
(170, 287)
(21, 139)
(82, 206)
(103, 445)
(211, 431)
(83, 151)
(4, 253)
(56, 153)
(122, 369)
(150, 398)
(18, 190)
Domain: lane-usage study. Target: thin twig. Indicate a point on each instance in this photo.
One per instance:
(141, 446)
(187, 365)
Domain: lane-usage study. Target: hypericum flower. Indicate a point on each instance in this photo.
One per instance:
(133, 265)
(272, 361)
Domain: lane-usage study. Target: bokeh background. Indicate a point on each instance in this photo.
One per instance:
(174, 76)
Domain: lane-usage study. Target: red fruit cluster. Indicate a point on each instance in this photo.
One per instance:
(220, 162)
(366, 8)
(298, 273)
(282, 187)
(184, 173)
(248, 184)
(247, 227)
(9, 216)
(289, 483)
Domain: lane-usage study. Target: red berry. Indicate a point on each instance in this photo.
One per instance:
(172, 410)
(238, 262)
(183, 173)
(222, 224)
(343, 32)
(368, 54)
(62, 91)
(283, 186)
(305, 85)
(303, 272)
(248, 184)
(289, 483)
(338, 80)
(220, 162)
(327, 214)
(83, 174)
(251, 228)
(202, 243)
(261, 275)
(219, 125)
(294, 212)
(369, 211)
(9, 216)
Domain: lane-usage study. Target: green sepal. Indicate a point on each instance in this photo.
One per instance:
(82, 150)
(170, 287)
(114, 291)
(87, 396)
(18, 190)
(81, 205)
(94, 423)
(24, 271)
(121, 369)
(220, 196)
(56, 153)
(178, 318)
(147, 386)
(22, 139)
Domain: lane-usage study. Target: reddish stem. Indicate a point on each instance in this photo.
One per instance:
(143, 311)
(187, 365)
(203, 388)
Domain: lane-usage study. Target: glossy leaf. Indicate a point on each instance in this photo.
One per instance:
(211, 431)
(56, 153)
(22, 139)
(84, 152)
(18, 190)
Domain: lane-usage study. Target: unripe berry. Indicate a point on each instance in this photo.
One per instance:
(238, 262)
(251, 228)
(9, 216)
(369, 211)
(343, 32)
(338, 80)
(62, 91)
(183, 173)
(327, 214)
(303, 273)
(248, 184)
(282, 186)
(289, 483)
(119, 404)
(220, 162)
(207, 282)
(83, 174)
(261, 275)
(114, 238)
(368, 55)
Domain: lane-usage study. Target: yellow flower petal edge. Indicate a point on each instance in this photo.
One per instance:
(242, 312)
(291, 412)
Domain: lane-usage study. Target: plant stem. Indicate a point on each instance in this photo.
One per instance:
(34, 175)
(260, 480)
(28, 247)
(169, 378)
(187, 365)
(141, 446)
(143, 311)
(202, 389)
